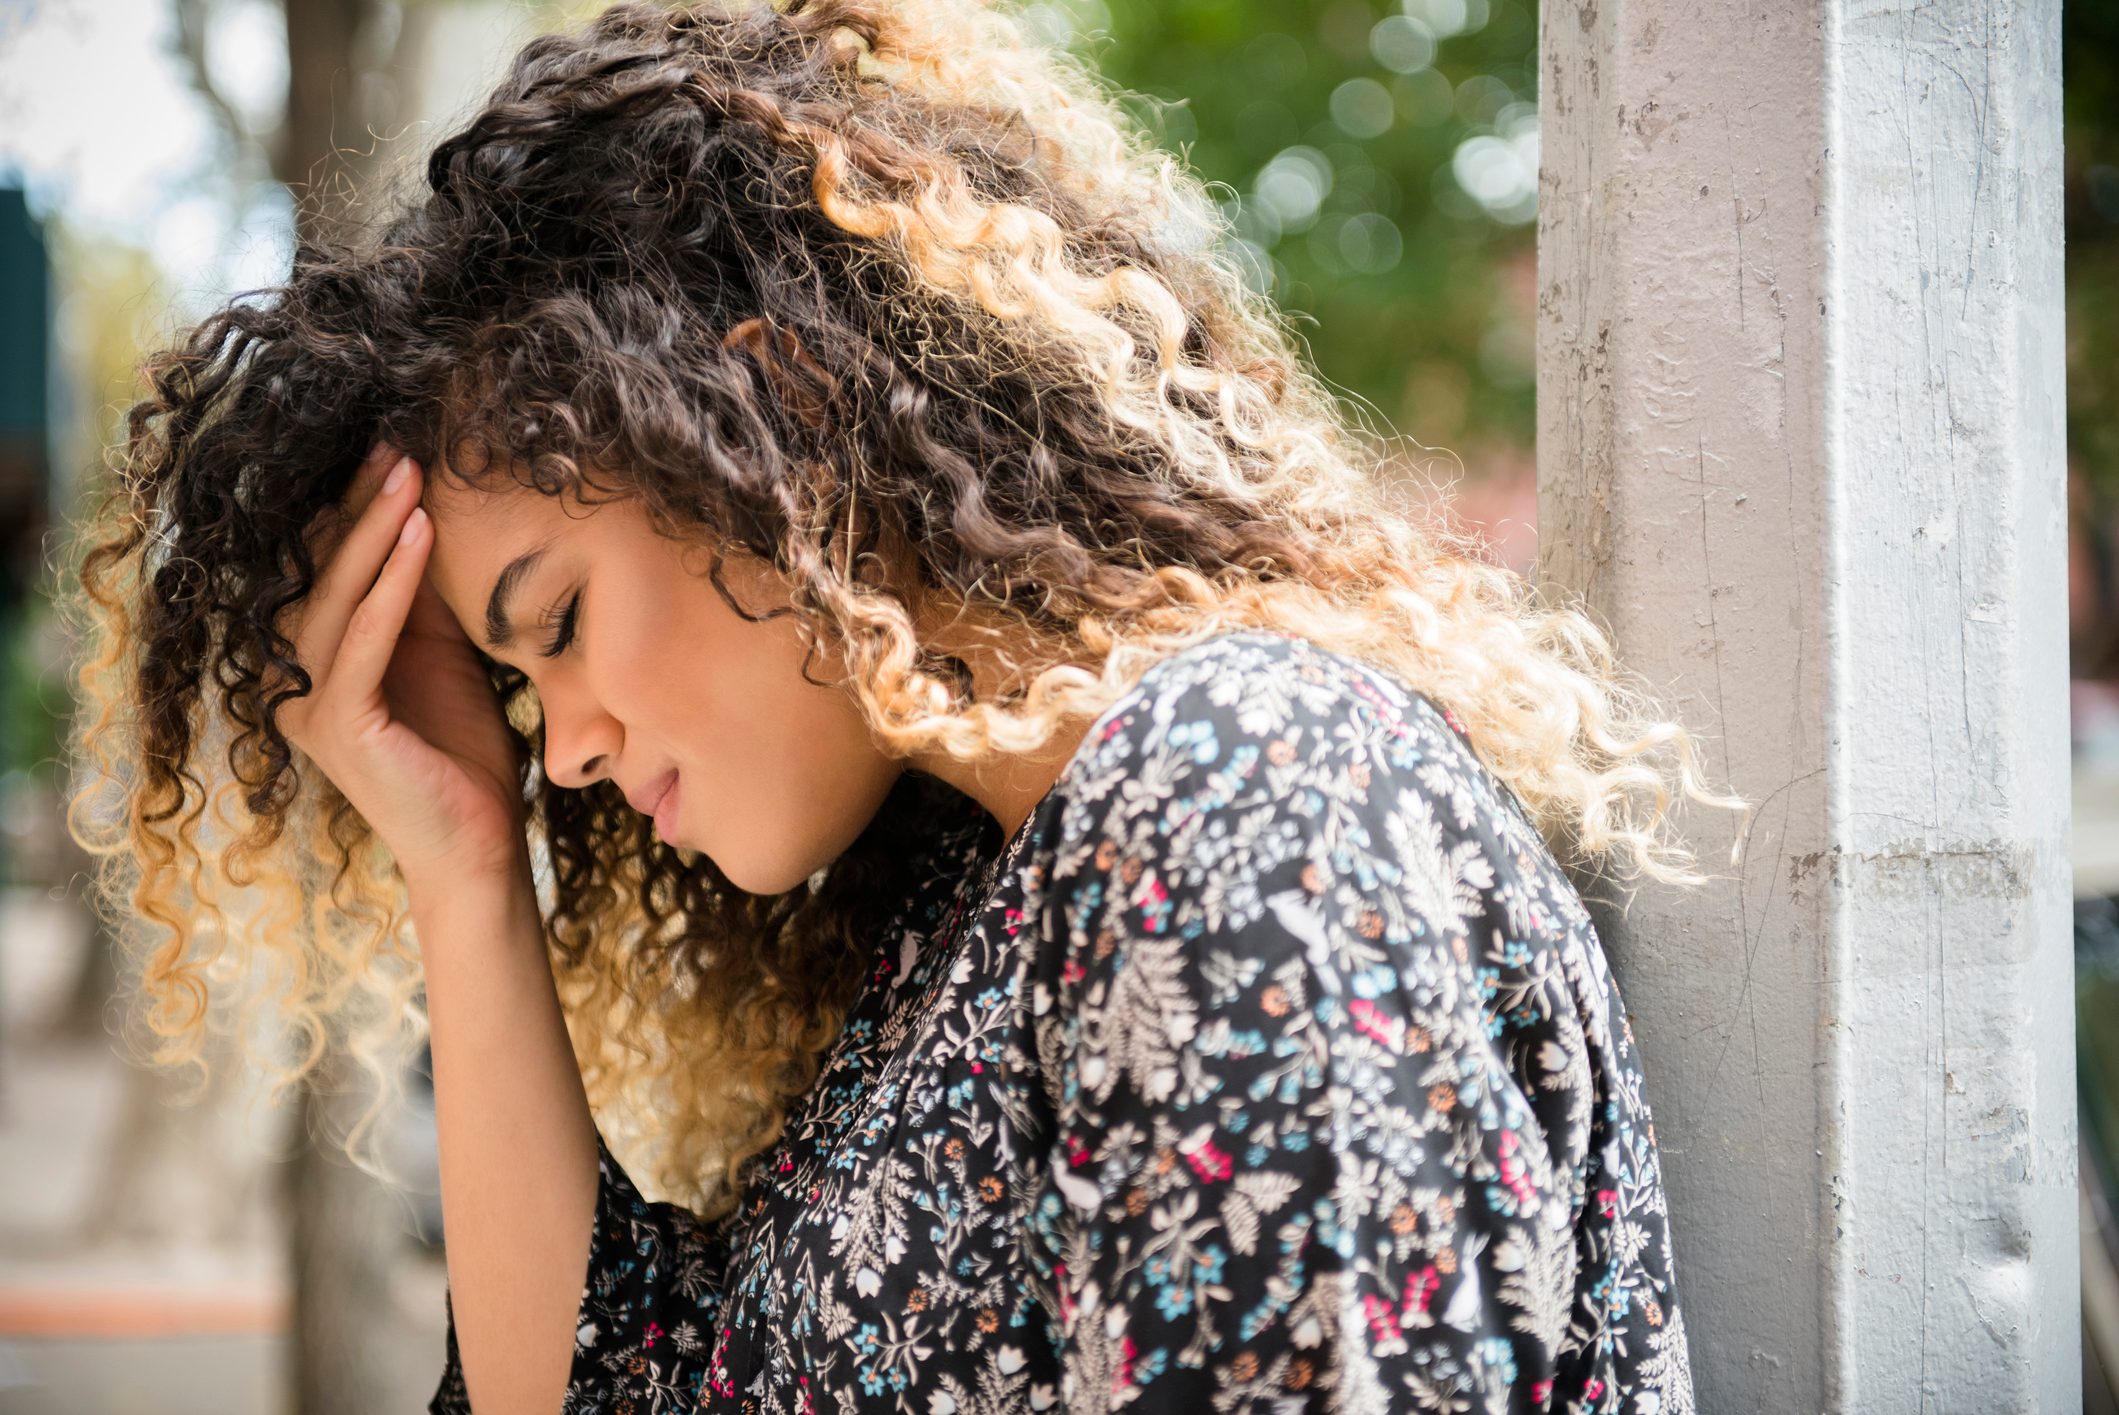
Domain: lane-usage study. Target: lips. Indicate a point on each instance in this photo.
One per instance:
(666, 813)
(650, 796)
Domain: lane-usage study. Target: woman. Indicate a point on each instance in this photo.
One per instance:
(795, 615)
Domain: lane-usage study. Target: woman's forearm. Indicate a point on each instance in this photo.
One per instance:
(516, 1140)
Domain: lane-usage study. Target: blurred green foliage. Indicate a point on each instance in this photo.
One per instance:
(1379, 159)
(2089, 52)
(2089, 57)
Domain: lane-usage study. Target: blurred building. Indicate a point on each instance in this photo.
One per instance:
(25, 395)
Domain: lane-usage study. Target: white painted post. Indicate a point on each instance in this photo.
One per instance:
(1801, 446)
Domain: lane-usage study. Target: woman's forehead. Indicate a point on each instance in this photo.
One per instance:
(491, 543)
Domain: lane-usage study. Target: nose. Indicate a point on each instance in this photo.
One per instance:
(581, 740)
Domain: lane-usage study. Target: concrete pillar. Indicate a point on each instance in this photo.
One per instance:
(1800, 443)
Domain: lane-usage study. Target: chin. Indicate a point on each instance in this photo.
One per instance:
(767, 867)
(765, 881)
(784, 856)
(755, 873)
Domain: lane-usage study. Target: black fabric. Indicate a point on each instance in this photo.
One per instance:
(1273, 1064)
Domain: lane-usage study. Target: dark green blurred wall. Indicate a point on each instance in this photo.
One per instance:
(25, 323)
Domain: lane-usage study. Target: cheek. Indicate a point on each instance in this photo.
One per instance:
(682, 671)
(652, 672)
(787, 772)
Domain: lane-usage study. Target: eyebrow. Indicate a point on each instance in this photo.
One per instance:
(500, 633)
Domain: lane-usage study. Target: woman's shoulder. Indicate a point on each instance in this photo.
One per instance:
(1292, 930)
(1258, 780)
(1263, 682)
(1263, 708)
(1258, 765)
(1248, 769)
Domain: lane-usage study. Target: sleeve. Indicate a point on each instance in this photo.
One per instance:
(1292, 1169)
(647, 1336)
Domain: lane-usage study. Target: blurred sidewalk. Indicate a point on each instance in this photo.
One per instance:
(142, 1248)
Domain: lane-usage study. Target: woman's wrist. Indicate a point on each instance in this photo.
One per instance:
(451, 905)
(490, 869)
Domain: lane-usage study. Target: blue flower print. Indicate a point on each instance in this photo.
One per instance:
(1258, 1011)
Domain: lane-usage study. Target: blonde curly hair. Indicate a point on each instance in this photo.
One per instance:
(885, 293)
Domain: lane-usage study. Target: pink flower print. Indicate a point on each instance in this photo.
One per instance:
(654, 1329)
(1513, 1171)
(1209, 1162)
(1375, 699)
(1419, 1290)
(717, 1374)
(1382, 1320)
(1388, 1030)
(1155, 909)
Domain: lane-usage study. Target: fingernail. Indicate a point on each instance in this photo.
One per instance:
(412, 524)
(398, 474)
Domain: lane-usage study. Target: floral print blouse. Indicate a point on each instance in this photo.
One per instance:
(1272, 1064)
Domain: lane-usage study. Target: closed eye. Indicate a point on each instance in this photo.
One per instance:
(564, 632)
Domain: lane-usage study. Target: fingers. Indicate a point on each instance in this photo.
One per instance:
(371, 634)
(351, 573)
(330, 527)
(369, 475)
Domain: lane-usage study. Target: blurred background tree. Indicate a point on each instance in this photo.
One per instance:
(1378, 159)
(1380, 162)
(2090, 54)
(2090, 61)
(2090, 44)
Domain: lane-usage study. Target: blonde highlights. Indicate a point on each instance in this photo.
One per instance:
(892, 298)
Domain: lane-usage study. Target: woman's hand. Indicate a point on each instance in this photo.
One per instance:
(402, 716)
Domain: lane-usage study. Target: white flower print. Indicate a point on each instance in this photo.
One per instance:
(1272, 1065)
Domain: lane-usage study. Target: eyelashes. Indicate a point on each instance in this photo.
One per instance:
(563, 633)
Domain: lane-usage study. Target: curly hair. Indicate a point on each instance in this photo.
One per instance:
(885, 293)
